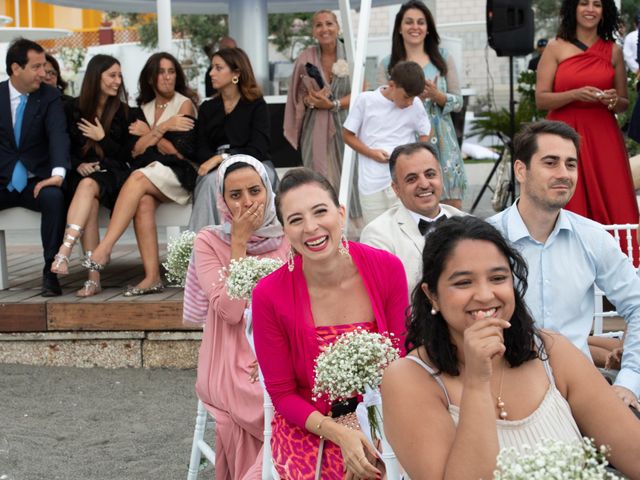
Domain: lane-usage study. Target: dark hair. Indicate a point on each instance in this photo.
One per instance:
(431, 41)
(239, 62)
(18, 52)
(90, 93)
(297, 177)
(607, 28)
(60, 83)
(232, 168)
(410, 149)
(525, 143)
(149, 78)
(431, 331)
(408, 76)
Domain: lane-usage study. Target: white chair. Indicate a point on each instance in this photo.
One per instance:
(199, 447)
(618, 231)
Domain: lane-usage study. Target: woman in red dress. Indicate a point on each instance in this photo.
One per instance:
(582, 82)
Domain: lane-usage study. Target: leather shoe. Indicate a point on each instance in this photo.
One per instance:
(50, 286)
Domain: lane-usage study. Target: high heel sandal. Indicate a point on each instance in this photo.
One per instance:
(90, 287)
(69, 241)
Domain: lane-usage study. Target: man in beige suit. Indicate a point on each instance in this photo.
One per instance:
(416, 179)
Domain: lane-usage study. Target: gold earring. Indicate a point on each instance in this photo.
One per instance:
(235, 80)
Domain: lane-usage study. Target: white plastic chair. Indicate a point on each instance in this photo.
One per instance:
(618, 231)
(199, 447)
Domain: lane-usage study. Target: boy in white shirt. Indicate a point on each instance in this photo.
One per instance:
(378, 122)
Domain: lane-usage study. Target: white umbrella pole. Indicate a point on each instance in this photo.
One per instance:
(356, 88)
(164, 25)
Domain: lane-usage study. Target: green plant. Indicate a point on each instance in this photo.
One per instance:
(492, 122)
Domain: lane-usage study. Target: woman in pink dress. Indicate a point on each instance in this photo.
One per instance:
(582, 81)
(227, 368)
(329, 287)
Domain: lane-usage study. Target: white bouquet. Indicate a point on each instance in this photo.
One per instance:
(553, 459)
(354, 364)
(340, 68)
(243, 275)
(178, 254)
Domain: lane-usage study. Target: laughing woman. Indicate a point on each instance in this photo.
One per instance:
(100, 151)
(480, 377)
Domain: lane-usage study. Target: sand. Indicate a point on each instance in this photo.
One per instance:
(84, 424)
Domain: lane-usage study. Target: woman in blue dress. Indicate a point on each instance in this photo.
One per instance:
(415, 38)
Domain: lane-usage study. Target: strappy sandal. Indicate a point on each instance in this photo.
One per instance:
(89, 289)
(90, 264)
(69, 241)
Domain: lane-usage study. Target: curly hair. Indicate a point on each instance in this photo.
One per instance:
(432, 331)
(607, 28)
(431, 41)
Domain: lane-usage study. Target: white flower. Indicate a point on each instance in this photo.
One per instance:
(243, 275)
(178, 254)
(578, 460)
(355, 359)
(340, 68)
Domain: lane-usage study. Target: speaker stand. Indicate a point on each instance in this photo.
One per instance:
(508, 143)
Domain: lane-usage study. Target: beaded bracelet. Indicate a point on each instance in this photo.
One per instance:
(612, 104)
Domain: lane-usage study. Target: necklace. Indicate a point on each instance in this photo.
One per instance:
(499, 403)
(162, 106)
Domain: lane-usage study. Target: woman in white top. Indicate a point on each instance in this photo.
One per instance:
(162, 162)
(479, 377)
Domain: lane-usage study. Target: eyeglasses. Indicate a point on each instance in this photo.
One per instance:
(50, 73)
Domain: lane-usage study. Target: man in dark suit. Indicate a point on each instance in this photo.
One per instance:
(34, 148)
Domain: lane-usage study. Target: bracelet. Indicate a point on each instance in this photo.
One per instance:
(336, 106)
(612, 104)
(319, 426)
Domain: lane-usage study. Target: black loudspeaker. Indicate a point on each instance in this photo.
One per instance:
(510, 27)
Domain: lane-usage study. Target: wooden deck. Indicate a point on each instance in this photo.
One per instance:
(22, 309)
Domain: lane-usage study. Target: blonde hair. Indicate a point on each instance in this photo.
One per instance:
(319, 12)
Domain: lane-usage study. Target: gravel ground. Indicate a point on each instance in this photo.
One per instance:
(95, 424)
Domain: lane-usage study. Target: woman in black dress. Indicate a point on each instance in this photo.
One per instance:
(234, 121)
(100, 151)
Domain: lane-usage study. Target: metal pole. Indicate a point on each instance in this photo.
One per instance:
(164, 25)
(30, 13)
(248, 26)
(356, 88)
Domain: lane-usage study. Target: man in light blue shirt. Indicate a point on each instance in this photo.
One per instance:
(568, 254)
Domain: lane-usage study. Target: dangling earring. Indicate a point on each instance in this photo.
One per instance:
(344, 245)
(434, 311)
(235, 80)
(290, 260)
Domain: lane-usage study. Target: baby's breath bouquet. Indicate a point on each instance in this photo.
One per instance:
(354, 364)
(179, 251)
(555, 460)
(243, 275)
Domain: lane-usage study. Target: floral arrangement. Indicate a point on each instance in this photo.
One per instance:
(354, 364)
(243, 275)
(553, 459)
(340, 68)
(178, 255)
